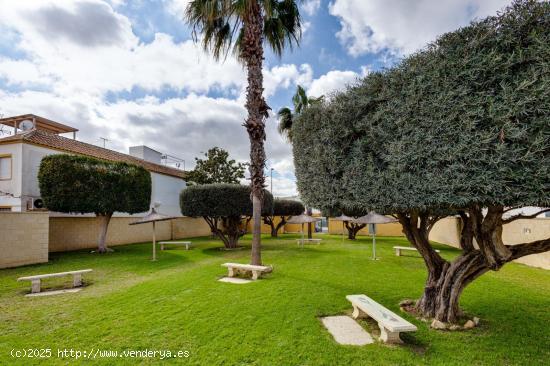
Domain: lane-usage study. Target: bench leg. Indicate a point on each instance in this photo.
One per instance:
(186, 246)
(388, 337)
(35, 286)
(77, 280)
(255, 275)
(398, 252)
(358, 313)
(231, 272)
(162, 247)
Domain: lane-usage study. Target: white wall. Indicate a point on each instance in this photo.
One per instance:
(32, 156)
(166, 191)
(13, 185)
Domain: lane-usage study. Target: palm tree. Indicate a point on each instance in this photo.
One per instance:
(301, 102)
(244, 26)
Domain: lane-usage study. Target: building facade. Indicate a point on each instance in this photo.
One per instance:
(22, 152)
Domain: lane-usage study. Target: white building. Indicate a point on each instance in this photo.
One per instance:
(36, 137)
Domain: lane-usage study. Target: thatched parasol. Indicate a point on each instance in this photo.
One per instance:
(372, 218)
(153, 217)
(302, 219)
(344, 219)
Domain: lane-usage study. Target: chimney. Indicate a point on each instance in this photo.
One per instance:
(146, 153)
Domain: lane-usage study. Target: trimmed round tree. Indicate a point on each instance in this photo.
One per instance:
(351, 227)
(79, 184)
(460, 127)
(282, 209)
(223, 207)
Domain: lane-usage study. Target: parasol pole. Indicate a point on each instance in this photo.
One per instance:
(373, 242)
(343, 225)
(302, 242)
(154, 243)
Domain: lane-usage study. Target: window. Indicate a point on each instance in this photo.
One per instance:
(5, 167)
(5, 209)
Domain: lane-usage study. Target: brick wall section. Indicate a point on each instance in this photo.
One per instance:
(75, 233)
(23, 239)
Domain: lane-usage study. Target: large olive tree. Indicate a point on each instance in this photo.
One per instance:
(80, 184)
(460, 127)
(223, 207)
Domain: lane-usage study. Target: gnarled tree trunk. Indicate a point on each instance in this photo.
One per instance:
(353, 229)
(252, 53)
(227, 229)
(104, 219)
(269, 220)
(446, 280)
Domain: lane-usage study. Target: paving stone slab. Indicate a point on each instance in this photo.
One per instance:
(347, 331)
(239, 281)
(56, 292)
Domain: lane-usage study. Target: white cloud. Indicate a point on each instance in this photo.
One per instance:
(403, 26)
(177, 7)
(331, 82)
(79, 62)
(285, 76)
(311, 7)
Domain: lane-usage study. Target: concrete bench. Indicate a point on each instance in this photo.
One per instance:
(186, 243)
(306, 241)
(234, 269)
(36, 280)
(399, 249)
(390, 324)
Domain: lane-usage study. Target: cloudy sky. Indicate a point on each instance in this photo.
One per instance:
(129, 71)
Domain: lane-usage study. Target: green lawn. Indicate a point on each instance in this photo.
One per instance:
(131, 303)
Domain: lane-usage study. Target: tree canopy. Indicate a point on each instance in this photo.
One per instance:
(80, 184)
(223, 207)
(216, 168)
(282, 209)
(461, 126)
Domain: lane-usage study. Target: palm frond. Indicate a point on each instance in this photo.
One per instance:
(285, 122)
(214, 23)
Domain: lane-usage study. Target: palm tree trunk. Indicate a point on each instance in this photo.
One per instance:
(252, 53)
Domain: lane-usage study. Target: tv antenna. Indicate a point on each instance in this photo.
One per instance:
(104, 141)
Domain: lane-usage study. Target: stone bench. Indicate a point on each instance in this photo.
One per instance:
(390, 324)
(399, 249)
(306, 241)
(236, 268)
(186, 243)
(36, 280)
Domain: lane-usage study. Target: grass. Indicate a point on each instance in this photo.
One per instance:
(131, 303)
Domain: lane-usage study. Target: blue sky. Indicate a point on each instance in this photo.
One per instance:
(129, 71)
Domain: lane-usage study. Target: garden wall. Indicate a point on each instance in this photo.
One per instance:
(23, 238)
(74, 233)
(446, 231)
(393, 229)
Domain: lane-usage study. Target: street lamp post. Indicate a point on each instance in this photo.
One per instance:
(272, 209)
